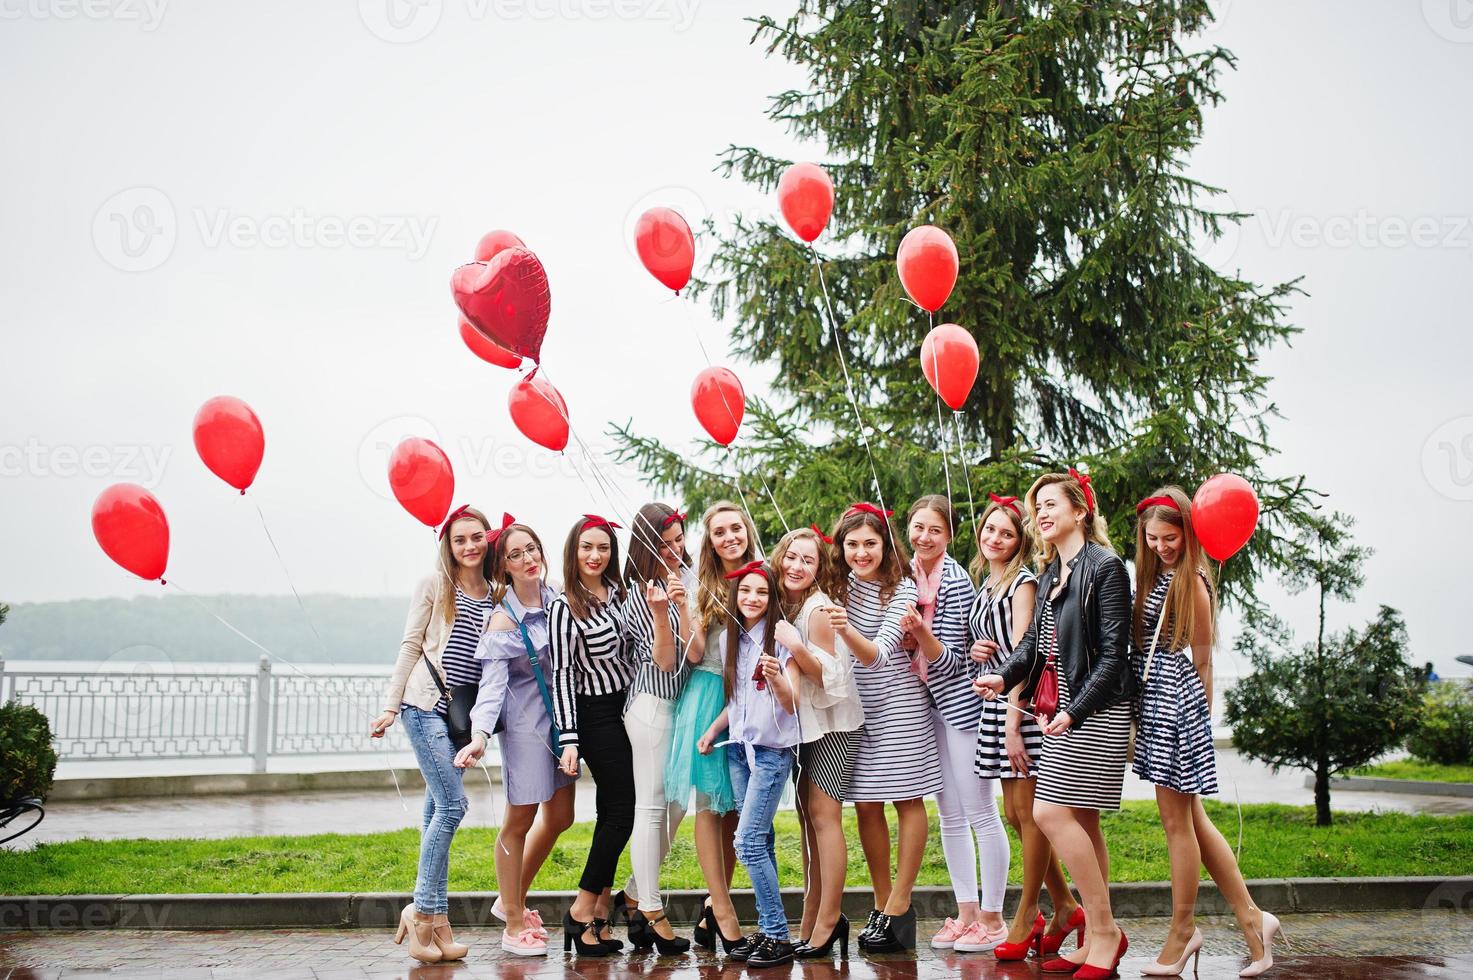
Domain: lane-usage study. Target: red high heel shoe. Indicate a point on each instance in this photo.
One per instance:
(1088, 972)
(1012, 952)
(1050, 942)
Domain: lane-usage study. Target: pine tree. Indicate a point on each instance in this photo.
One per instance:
(1050, 140)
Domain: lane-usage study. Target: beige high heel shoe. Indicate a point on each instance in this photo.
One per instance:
(1193, 952)
(420, 930)
(1271, 928)
(445, 939)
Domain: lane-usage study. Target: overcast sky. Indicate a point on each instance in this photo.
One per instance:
(267, 200)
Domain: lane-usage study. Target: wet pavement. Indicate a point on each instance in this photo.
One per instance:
(370, 811)
(1433, 943)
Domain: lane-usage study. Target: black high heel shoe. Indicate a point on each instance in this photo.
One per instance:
(869, 927)
(840, 932)
(892, 934)
(703, 936)
(573, 937)
(642, 935)
(598, 926)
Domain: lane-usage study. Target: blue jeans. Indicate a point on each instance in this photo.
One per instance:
(757, 792)
(445, 805)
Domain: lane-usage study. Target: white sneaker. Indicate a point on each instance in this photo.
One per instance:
(977, 939)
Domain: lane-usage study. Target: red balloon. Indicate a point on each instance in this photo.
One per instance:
(806, 195)
(228, 437)
(720, 403)
(949, 361)
(539, 412)
(928, 265)
(493, 242)
(422, 480)
(1224, 515)
(666, 246)
(507, 299)
(132, 528)
(485, 349)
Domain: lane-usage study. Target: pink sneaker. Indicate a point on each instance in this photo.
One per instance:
(531, 917)
(977, 939)
(951, 931)
(524, 943)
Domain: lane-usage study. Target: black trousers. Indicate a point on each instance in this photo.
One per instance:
(604, 746)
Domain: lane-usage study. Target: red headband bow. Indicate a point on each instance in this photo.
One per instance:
(747, 569)
(455, 515)
(1157, 502)
(593, 520)
(1089, 493)
(506, 521)
(1011, 503)
(674, 516)
(864, 508)
(819, 531)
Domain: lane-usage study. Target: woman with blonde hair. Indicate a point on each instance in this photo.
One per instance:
(829, 715)
(1075, 660)
(1008, 740)
(437, 656)
(1174, 627)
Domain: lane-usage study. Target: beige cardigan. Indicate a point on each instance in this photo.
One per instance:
(425, 636)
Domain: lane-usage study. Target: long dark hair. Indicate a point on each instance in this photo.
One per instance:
(645, 543)
(581, 602)
(739, 625)
(894, 562)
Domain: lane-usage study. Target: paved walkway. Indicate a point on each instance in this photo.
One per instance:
(1334, 947)
(368, 811)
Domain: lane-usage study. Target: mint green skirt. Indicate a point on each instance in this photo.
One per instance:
(688, 772)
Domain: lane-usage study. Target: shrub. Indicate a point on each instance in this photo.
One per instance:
(1444, 730)
(27, 759)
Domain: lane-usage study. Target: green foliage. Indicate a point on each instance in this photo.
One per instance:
(1338, 703)
(1278, 842)
(27, 758)
(1444, 727)
(1050, 141)
(1419, 770)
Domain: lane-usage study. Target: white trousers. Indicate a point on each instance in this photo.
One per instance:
(649, 721)
(970, 824)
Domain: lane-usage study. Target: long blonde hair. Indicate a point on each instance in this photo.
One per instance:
(1093, 525)
(981, 567)
(821, 574)
(1180, 605)
(709, 571)
(448, 562)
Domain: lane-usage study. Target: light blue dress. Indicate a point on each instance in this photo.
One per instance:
(688, 772)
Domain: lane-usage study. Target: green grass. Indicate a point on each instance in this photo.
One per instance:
(1278, 841)
(1416, 769)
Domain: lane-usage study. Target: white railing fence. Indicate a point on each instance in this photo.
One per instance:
(165, 711)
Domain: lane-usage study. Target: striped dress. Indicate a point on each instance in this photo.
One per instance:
(459, 656)
(1085, 766)
(897, 746)
(1173, 743)
(639, 632)
(992, 619)
(950, 677)
(588, 657)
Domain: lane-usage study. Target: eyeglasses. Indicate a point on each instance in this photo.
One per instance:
(530, 552)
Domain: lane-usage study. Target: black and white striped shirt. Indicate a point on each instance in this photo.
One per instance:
(459, 656)
(950, 677)
(639, 631)
(588, 656)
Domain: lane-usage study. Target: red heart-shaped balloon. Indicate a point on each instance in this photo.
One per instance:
(506, 299)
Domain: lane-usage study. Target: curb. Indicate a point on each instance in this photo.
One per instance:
(380, 910)
(1413, 787)
(247, 783)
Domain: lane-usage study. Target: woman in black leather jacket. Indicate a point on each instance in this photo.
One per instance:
(1081, 623)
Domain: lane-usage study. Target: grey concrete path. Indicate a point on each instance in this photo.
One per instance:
(1340, 946)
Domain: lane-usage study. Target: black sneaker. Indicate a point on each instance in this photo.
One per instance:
(746, 947)
(772, 952)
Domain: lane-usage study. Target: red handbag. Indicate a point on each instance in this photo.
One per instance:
(1046, 695)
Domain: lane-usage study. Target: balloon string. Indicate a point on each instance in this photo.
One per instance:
(737, 482)
(940, 425)
(849, 390)
(966, 467)
(286, 573)
(275, 658)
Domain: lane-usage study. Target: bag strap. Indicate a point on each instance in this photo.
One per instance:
(1151, 656)
(536, 669)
